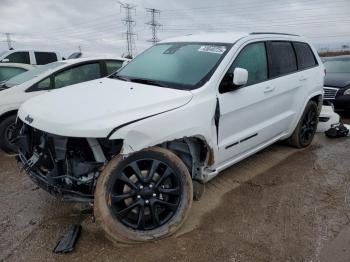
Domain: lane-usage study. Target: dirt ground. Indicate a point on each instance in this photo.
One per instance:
(281, 204)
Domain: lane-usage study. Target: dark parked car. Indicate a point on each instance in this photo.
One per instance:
(337, 82)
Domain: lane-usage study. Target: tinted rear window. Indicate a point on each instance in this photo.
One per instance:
(9, 72)
(19, 57)
(113, 66)
(43, 58)
(78, 74)
(282, 58)
(305, 56)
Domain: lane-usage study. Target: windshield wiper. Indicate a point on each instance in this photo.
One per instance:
(120, 77)
(3, 85)
(138, 80)
(147, 82)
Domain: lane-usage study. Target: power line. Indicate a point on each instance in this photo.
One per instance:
(130, 23)
(153, 24)
(255, 6)
(336, 17)
(283, 24)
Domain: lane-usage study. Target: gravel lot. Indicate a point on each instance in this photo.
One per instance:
(282, 204)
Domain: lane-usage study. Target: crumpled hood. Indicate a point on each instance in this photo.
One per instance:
(95, 108)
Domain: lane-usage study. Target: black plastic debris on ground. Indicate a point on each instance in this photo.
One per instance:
(67, 242)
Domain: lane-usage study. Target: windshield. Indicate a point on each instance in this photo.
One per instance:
(338, 66)
(176, 65)
(20, 79)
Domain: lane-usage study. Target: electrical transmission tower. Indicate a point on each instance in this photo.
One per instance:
(153, 24)
(130, 23)
(8, 40)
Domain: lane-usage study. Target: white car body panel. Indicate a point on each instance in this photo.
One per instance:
(149, 115)
(78, 116)
(333, 119)
(12, 98)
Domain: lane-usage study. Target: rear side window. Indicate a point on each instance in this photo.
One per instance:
(253, 59)
(282, 58)
(77, 75)
(9, 72)
(44, 84)
(113, 66)
(43, 58)
(305, 56)
(19, 57)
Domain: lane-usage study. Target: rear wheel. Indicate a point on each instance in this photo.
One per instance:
(8, 131)
(306, 128)
(146, 196)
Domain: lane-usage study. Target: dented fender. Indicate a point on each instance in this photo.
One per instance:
(196, 119)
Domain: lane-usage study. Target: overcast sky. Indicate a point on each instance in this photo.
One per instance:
(96, 26)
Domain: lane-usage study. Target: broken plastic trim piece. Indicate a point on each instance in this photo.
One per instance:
(241, 141)
(67, 242)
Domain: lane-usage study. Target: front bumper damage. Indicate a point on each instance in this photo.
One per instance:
(64, 167)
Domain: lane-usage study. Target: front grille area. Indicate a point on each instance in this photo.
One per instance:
(63, 166)
(330, 92)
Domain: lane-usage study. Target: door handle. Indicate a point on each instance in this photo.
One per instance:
(302, 78)
(269, 89)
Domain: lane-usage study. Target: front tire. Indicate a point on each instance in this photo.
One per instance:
(146, 196)
(7, 134)
(306, 128)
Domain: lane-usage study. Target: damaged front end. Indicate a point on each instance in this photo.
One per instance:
(65, 167)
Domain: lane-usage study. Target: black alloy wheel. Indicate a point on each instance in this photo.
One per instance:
(145, 194)
(11, 133)
(308, 127)
(8, 134)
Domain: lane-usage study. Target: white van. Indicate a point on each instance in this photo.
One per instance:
(136, 142)
(32, 57)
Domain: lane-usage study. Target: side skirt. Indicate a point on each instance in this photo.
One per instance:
(210, 174)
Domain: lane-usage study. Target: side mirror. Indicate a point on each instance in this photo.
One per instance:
(240, 77)
(233, 81)
(5, 60)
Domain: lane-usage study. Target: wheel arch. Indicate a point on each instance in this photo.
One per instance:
(7, 114)
(318, 99)
(194, 151)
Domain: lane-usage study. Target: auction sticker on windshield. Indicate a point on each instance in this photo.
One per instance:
(212, 49)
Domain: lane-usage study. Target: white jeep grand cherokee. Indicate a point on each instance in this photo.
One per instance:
(137, 142)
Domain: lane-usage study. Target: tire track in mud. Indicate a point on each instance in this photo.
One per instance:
(26, 209)
(232, 178)
(272, 206)
(226, 181)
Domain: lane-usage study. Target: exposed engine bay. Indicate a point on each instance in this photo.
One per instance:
(65, 167)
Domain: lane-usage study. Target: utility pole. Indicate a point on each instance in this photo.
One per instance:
(8, 40)
(153, 24)
(130, 23)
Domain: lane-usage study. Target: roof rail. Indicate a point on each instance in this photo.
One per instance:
(271, 33)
